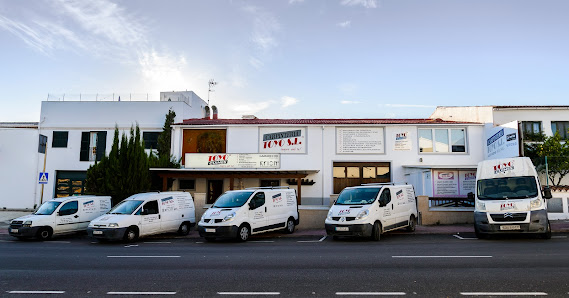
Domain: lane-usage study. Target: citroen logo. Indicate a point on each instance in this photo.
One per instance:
(342, 219)
(508, 214)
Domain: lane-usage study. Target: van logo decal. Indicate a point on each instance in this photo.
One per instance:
(504, 167)
(508, 214)
(507, 206)
(89, 203)
(345, 211)
(277, 198)
(215, 213)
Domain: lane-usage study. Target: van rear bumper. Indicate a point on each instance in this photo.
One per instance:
(537, 224)
(223, 231)
(361, 230)
(106, 233)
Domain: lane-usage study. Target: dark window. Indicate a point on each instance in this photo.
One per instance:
(93, 145)
(150, 140)
(258, 200)
(187, 184)
(357, 173)
(531, 127)
(385, 197)
(270, 183)
(69, 183)
(69, 208)
(560, 127)
(59, 139)
(150, 208)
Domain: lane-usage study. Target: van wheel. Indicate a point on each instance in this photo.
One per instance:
(412, 224)
(184, 229)
(44, 234)
(376, 231)
(289, 229)
(547, 234)
(243, 233)
(130, 235)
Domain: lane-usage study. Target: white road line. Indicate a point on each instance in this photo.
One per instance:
(36, 292)
(158, 242)
(558, 237)
(133, 245)
(59, 242)
(143, 256)
(441, 256)
(7, 241)
(263, 241)
(371, 293)
(141, 293)
(308, 241)
(199, 242)
(322, 239)
(248, 293)
(462, 238)
(503, 294)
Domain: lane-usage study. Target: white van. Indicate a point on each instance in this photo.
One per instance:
(146, 214)
(240, 213)
(60, 216)
(508, 198)
(372, 209)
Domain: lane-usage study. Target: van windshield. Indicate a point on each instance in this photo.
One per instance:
(47, 208)
(507, 188)
(125, 207)
(358, 196)
(232, 199)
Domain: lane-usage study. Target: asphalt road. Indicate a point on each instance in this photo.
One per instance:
(397, 265)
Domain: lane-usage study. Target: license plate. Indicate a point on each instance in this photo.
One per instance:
(510, 227)
(97, 232)
(210, 230)
(342, 229)
(14, 230)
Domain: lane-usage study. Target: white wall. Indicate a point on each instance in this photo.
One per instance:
(502, 116)
(18, 167)
(478, 114)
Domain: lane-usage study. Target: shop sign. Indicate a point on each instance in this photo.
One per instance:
(502, 141)
(282, 140)
(453, 183)
(402, 141)
(359, 140)
(232, 161)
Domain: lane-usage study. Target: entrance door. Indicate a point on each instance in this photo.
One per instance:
(214, 190)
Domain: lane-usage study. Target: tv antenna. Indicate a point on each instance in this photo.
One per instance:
(212, 84)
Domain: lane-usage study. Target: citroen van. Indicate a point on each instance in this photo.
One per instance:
(145, 214)
(509, 199)
(372, 209)
(240, 213)
(60, 216)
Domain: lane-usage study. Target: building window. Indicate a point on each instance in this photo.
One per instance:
(446, 140)
(531, 127)
(560, 127)
(357, 173)
(93, 145)
(270, 182)
(69, 183)
(150, 139)
(59, 139)
(187, 184)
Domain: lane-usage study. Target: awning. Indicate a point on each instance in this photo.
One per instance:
(441, 166)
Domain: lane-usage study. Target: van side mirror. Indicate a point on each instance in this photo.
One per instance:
(381, 203)
(470, 196)
(252, 205)
(547, 193)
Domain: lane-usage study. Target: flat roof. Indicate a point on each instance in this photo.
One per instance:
(18, 124)
(317, 121)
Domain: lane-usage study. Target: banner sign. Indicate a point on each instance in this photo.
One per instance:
(502, 141)
(282, 140)
(359, 140)
(232, 161)
(453, 183)
(402, 141)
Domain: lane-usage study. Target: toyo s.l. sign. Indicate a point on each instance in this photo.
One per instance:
(502, 141)
(232, 161)
(284, 140)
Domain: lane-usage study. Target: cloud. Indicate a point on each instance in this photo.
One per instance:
(344, 24)
(295, 1)
(364, 3)
(255, 62)
(406, 106)
(250, 108)
(287, 101)
(349, 102)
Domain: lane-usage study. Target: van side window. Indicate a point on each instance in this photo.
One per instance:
(150, 208)
(69, 208)
(258, 200)
(385, 197)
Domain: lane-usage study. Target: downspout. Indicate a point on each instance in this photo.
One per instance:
(37, 162)
(322, 165)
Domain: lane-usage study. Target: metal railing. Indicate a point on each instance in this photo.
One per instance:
(451, 202)
(102, 97)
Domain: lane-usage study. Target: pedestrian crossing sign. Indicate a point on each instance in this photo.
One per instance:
(43, 178)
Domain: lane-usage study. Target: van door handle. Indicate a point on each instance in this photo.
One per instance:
(265, 209)
(391, 206)
(159, 216)
(76, 216)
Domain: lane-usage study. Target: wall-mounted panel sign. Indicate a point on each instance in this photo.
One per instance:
(402, 141)
(232, 161)
(283, 140)
(359, 140)
(502, 141)
(453, 183)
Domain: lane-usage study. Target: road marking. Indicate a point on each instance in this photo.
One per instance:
(143, 256)
(558, 237)
(132, 245)
(59, 242)
(263, 241)
(36, 292)
(7, 241)
(248, 293)
(158, 242)
(199, 242)
(322, 239)
(441, 256)
(503, 294)
(462, 238)
(371, 293)
(141, 293)
(312, 241)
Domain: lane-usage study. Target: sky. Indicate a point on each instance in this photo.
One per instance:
(287, 58)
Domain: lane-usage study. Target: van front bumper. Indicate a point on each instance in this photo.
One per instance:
(361, 230)
(106, 233)
(217, 231)
(23, 232)
(537, 224)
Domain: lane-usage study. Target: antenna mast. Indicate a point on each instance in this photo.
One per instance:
(211, 83)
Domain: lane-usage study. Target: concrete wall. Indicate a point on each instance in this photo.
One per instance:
(312, 217)
(443, 215)
(558, 206)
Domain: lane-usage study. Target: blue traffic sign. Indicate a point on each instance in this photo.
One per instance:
(43, 178)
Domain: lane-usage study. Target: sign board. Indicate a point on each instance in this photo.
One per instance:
(359, 140)
(453, 183)
(402, 141)
(43, 178)
(232, 161)
(42, 144)
(502, 141)
(282, 140)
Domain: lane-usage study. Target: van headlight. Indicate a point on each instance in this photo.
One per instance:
(536, 204)
(113, 225)
(363, 214)
(329, 217)
(229, 217)
(27, 224)
(203, 216)
(480, 206)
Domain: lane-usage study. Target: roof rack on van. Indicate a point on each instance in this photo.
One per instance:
(269, 187)
(385, 183)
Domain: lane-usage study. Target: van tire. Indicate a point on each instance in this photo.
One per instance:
(412, 224)
(290, 226)
(376, 231)
(130, 235)
(547, 234)
(243, 233)
(184, 229)
(44, 234)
